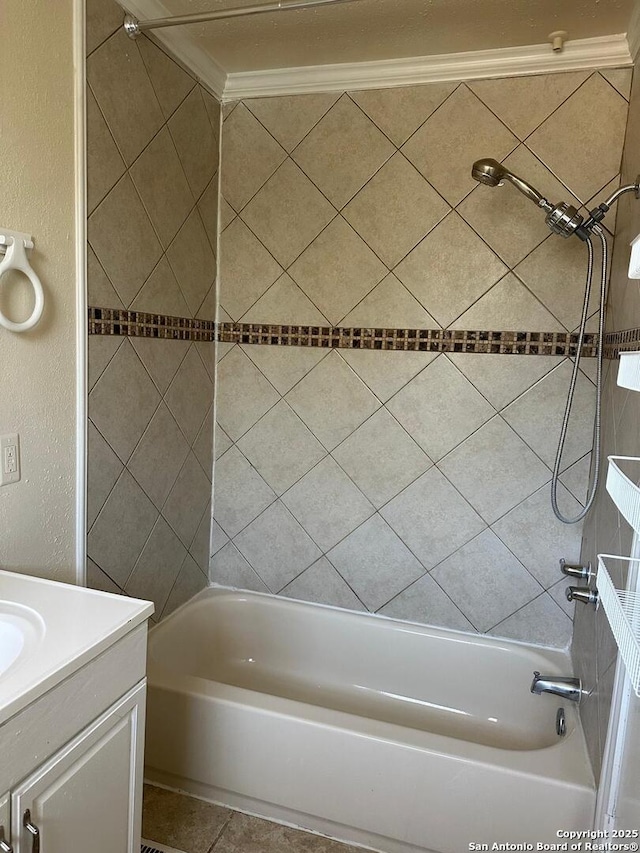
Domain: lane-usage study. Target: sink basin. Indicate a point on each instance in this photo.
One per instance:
(21, 631)
(78, 624)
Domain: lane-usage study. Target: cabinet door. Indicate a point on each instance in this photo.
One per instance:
(89, 795)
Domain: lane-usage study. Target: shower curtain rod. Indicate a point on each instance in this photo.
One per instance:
(133, 27)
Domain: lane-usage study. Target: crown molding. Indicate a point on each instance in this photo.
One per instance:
(181, 45)
(582, 54)
(633, 33)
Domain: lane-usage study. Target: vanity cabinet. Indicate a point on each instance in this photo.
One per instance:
(73, 758)
(87, 795)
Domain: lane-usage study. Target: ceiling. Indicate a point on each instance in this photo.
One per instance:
(368, 30)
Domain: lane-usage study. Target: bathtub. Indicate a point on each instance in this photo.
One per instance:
(386, 734)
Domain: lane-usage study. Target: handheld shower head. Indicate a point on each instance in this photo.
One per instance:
(488, 171)
(492, 173)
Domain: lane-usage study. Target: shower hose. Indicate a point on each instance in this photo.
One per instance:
(572, 386)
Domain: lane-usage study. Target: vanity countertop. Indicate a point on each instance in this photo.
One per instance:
(48, 630)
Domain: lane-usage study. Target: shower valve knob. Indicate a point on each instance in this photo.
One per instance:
(583, 594)
(575, 570)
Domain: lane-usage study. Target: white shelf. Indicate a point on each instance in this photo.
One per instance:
(629, 370)
(623, 612)
(624, 492)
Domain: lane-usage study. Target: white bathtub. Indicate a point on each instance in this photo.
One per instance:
(373, 731)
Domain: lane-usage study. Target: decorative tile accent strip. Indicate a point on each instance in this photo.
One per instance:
(624, 341)
(139, 324)
(110, 321)
(431, 340)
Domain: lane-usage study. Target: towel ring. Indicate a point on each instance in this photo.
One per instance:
(15, 258)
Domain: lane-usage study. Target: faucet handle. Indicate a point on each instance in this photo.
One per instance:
(583, 594)
(575, 570)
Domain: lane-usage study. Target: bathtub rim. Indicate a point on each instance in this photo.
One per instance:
(563, 655)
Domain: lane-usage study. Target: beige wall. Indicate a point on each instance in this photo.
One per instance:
(38, 368)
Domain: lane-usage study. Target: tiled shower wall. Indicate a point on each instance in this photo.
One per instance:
(411, 484)
(153, 197)
(606, 532)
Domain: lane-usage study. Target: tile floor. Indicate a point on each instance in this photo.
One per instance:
(194, 826)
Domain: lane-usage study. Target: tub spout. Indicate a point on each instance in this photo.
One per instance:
(565, 686)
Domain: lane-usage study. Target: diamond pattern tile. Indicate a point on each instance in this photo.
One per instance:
(620, 79)
(342, 152)
(122, 236)
(284, 366)
(523, 103)
(195, 141)
(163, 187)
(125, 386)
(129, 511)
(432, 518)
(243, 394)
(440, 388)
(386, 371)
(443, 149)
(287, 213)
(395, 210)
(245, 141)
(229, 568)
(594, 158)
(281, 448)
(247, 270)
(486, 581)
(159, 456)
(170, 82)
(189, 582)
(537, 538)
(425, 602)
(537, 416)
(332, 400)
(555, 272)
(290, 117)
(337, 270)
(192, 261)
(504, 218)
(104, 468)
(375, 562)
(398, 112)
(450, 269)
(285, 303)
(157, 568)
(327, 504)
(277, 547)
(508, 305)
(494, 470)
(381, 458)
(187, 500)
(160, 358)
(390, 304)
(541, 621)
(502, 378)
(189, 395)
(321, 583)
(240, 493)
(160, 294)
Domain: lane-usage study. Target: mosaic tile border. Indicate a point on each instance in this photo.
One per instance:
(140, 324)
(623, 341)
(109, 321)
